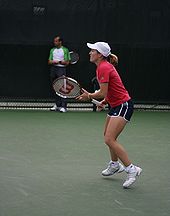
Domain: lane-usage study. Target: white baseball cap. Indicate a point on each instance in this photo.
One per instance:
(101, 47)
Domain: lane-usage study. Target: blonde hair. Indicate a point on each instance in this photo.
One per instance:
(113, 59)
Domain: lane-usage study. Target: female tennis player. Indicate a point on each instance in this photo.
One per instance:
(113, 92)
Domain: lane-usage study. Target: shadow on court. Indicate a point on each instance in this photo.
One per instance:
(50, 164)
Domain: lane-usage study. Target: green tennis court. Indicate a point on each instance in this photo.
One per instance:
(50, 164)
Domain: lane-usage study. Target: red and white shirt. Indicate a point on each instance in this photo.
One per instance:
(117, 94)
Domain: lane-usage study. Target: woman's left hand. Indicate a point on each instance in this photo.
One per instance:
(84, 96)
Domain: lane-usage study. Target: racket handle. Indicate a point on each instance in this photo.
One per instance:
(98, 103)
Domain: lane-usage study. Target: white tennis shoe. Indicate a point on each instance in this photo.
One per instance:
(63, 110)
(131, 177)
(111, 169)
(54, 108)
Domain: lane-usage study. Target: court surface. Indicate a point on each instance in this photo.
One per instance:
(50, 165)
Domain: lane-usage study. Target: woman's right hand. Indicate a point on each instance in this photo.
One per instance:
(102, 105)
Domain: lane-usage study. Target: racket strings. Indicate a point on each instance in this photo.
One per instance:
(74, 57)
(66, 88)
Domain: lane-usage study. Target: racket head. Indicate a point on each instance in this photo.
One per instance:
(66, 87)
(74, 57)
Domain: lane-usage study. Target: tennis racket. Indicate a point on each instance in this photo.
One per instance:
(74, 57)
(67, 87)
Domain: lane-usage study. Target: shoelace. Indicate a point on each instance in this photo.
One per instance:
(110, 167)
(131, 175)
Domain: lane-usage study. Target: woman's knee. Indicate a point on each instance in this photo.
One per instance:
(109, 140)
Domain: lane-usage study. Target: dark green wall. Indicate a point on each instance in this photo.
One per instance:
(138, 32)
